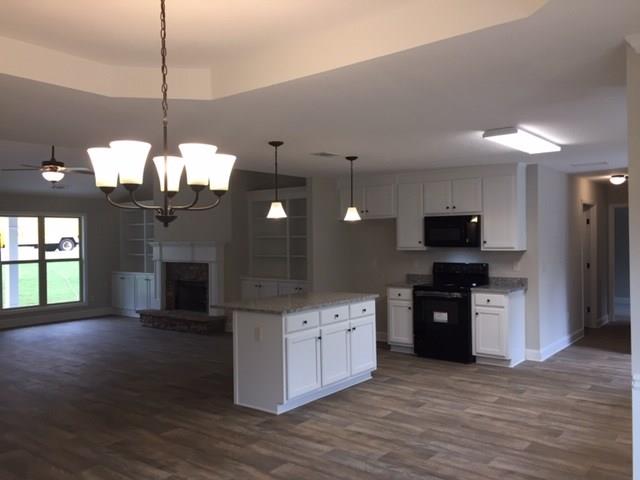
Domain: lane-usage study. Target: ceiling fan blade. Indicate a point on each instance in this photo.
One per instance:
(75, 169)
(16, 169)
(32, 167)
(84, 172)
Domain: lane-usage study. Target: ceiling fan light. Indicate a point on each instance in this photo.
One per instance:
(130, 156)
(175, 166)
(276, 211)
(352, 215)
(617, 179)
(52, 176)
(220, 172)
(198, 158)
(105, 167)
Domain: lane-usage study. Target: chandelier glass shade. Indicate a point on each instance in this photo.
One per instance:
(123, 162)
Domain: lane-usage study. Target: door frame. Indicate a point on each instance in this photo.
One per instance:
(612, 257)
(593, 250)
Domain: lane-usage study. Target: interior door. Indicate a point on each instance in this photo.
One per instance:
(363, 344)
(303, 363)
(400, 322)
(409, 224)
(437, 197)
(335, 348)
(490, 332)
(467, 195)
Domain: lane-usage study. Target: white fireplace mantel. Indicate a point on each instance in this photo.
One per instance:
(210, 253)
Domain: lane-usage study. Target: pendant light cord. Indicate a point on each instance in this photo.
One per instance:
(351, 165)
(165, 101)
(276, 179)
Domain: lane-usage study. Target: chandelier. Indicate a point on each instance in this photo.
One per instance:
(124, 161)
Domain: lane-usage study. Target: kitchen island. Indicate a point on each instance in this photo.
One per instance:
(294, 349)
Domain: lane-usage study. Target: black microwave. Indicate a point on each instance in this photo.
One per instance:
(452, 231)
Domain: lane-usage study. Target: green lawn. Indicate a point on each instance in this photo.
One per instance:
(63, 283)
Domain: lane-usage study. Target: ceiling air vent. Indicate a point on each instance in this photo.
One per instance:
(324, 154)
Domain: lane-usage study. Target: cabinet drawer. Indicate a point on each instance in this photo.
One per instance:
(334, 314)
(302, 321)
(362, 309)
(490, 299)
(400, 294)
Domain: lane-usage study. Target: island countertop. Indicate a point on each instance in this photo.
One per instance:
(297, 302)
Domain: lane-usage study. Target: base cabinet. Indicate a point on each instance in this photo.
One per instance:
(132, 291)
(400, 320)
(498, 328)
(284, 361)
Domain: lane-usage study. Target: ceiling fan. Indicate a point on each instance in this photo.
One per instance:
(52, 170)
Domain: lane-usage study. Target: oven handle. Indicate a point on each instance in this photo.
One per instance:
(440, 294)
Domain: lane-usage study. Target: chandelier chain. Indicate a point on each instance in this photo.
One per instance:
(163, 54)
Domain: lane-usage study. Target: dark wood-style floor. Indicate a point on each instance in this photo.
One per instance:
(108, 399)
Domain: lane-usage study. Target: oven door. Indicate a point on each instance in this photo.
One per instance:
(452, 231)
(442, 325)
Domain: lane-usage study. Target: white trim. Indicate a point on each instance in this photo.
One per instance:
(550, 350)
(601, 322)
(49, 317)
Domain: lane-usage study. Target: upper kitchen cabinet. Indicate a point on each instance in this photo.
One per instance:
(409, 225)
(375, 197)
(504, 216)
(458, 196)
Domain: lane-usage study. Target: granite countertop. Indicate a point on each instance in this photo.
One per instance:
(496, 284)
(297, 302)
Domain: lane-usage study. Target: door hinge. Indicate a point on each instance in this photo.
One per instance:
(588, 221)
(588, 265)
(588, 309)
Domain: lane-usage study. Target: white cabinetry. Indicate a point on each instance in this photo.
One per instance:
(132, 291)
(374, 200)
(504, 224)
(410, 225)
(499, 328)
(459, 196)
(400, 320)
(282, 361)
(252, 288)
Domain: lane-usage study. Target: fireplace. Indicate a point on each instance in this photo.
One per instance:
(187, 286)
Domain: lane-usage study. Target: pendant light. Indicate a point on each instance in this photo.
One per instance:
(277, 210)
(352, 214)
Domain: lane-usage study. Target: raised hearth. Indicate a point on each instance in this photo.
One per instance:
(183, 321)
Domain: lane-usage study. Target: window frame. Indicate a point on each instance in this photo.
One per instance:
(42, 262)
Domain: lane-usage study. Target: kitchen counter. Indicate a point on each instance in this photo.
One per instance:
(297, 303)
(503, 285)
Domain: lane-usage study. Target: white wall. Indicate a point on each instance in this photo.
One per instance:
(102, 253)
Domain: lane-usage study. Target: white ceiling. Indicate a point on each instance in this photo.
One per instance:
(559, 72)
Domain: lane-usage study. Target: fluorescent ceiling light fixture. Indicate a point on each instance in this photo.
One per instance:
(520, 140)
(618, 179)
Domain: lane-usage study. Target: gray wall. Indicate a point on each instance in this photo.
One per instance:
(102, 251)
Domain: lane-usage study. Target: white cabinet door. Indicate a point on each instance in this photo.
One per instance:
(466, 195)
(143, 285)
(437, 197)
(123, 291)
(290, 288)
(490, 332)
(410, 222)
(363, 344)
(379, 201)
(499, 223)
(303, 363)
(249, 289)
(334, 348)
(267, 288)
(400, 322)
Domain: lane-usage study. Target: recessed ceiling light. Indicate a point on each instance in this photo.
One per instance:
(618, 179)
(520, 140)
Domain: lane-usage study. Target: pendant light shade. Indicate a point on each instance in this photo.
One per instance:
(276, 210)
(352, 214)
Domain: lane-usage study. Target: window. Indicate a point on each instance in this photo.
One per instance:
(41, 261)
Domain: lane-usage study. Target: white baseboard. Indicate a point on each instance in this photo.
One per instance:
(600, 322)
(381, 337)
(41, 318)
(550, 350)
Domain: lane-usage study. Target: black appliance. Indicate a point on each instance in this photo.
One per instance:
(442, 311)
(452, 231)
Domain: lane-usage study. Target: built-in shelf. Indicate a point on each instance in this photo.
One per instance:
(137, 230)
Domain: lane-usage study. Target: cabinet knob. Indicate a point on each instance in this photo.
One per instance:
(488, 300)
(353, 329)
(319, 338)
(484, 242)
(420, 242)
(477, 314)
(454, 207)
(337, 315)
(409, 308)
(447, 207)
(304, 322)
(364, 310)
(399, 294)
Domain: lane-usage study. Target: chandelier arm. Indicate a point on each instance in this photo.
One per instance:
(119, 205)
(187, 206)
(139, 205)
(206, 207)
